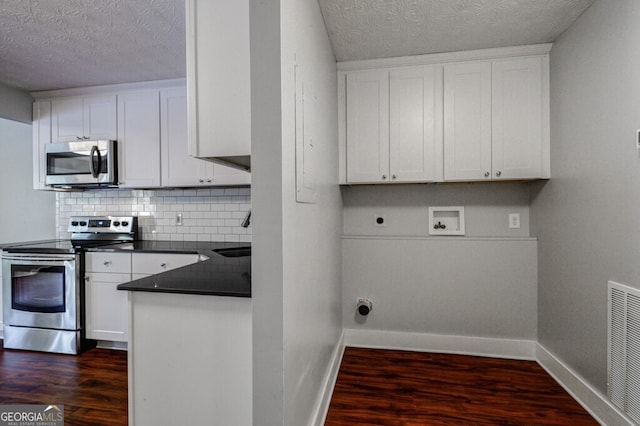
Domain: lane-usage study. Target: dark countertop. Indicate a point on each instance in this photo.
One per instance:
(217, 276)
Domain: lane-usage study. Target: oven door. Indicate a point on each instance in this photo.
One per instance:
(41, 291)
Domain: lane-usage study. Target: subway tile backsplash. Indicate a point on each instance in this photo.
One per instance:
(208, 214)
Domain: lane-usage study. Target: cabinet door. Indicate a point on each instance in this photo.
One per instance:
(155, 263)
(178, 167)
(41, 136)
(90, 117)
(106, 307)
(415, 129)
(368, 126)
(67, 119)
(467, 121)
(107, 262)
(99, 117)
(139, 142)
(218, 78)
(517, 134)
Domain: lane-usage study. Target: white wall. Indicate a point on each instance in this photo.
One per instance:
(474, 287)
(481, 285)
(587, 217)
(405, 208)
(16, 104)
(296, 266)
(26, 214)
(311, 232)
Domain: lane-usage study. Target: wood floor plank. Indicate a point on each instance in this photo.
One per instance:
(92, 386)
(388, 387)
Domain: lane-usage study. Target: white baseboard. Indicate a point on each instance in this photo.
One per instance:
(322, 406)
(463, 345)
(597, 404)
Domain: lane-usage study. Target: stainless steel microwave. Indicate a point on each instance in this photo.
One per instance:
(81, 163)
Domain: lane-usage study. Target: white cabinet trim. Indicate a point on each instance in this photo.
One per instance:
(441, 58)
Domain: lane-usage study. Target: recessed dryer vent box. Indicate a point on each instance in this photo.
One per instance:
(446, 220)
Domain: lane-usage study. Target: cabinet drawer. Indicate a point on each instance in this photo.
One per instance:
(154, 263)
(108, 262)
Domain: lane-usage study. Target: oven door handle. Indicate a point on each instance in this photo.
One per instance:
(28, 259)
(95, 153)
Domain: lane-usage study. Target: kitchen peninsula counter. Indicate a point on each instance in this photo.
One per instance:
(226, 274)
(190, 356)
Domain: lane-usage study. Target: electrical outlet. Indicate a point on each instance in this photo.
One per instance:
(379, 220)
(179, 219)
(514, 220)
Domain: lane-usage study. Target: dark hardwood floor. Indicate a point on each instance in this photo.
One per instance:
(388, 387)
(92, 386)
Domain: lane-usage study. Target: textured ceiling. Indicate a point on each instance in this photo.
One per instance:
(370, 29)
(53, 44)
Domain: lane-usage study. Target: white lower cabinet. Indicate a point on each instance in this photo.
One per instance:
(106, 306)
(145, 264)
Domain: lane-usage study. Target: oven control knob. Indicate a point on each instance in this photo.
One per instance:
(116, 223)
(74, 223)
(83, 223)
(125, 223)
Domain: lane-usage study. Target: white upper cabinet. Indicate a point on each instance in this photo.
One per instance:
(462, 116)
(415, 124)
(394, 125)
(178, 167)
(495, 120)
(218, 80)
(84, 117)
(368, 126)
(139, 141)
(467, 121)
(517, 118)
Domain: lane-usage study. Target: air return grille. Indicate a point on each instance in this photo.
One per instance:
(624, 348)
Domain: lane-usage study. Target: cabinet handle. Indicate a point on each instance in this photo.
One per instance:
(384, 177)
(163, 265)
(209, 180)
(79, 138)
(393, 177)
(498, 173)
(87, 278)
(486, 174)
(107, 263)
(201, 180)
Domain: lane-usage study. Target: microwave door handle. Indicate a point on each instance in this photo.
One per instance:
(95, 153)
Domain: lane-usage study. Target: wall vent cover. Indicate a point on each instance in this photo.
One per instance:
(624, 348)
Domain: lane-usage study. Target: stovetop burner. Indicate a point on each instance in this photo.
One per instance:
(86, 232)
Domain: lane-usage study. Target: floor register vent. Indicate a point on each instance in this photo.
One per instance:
(624, 348)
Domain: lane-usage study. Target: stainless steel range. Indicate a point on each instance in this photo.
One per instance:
(43, 291)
